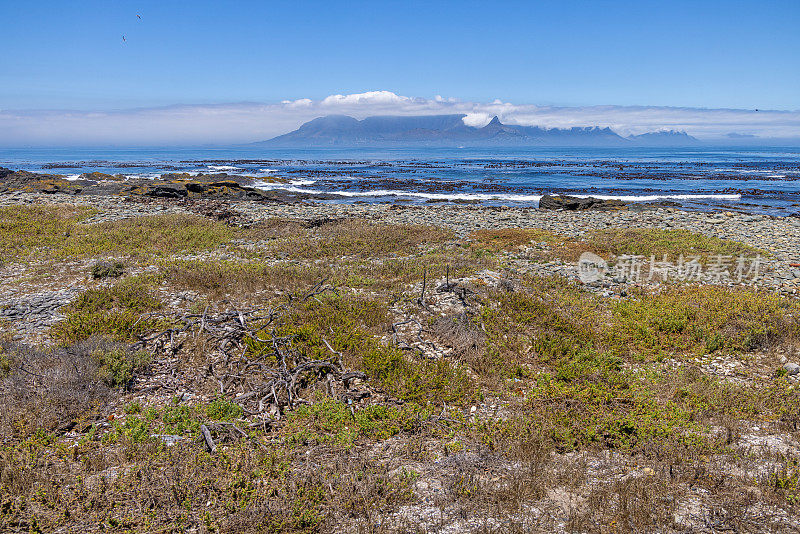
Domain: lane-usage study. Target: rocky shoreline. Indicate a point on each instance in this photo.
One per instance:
(780, 236)
(175, 186)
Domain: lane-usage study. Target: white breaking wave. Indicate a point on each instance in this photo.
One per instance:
(150, 175)
(651, 198)
(223, 168)
(488, 196)
(267, 186)
(437, 196)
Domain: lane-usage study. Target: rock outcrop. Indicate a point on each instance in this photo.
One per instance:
(563, 202)
(172, 186)
(30, 182)
(221, 190)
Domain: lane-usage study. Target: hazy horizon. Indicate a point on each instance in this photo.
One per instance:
(241, 123)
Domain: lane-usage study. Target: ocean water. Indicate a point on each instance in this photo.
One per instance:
(752, 179)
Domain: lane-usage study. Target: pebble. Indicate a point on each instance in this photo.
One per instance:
(791, 368)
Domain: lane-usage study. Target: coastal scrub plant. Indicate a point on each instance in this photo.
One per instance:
(538, 244)
(539, 379)
(555, 319)
(60, 232)
(107, 269)
(702, 319)
(119, 311)
(25, 229)
(118, 365)
(348, 324)
(331, 421)
(675, 242)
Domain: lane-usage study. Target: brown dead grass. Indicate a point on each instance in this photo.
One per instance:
(47, 390)
(344, 237)
(539, 245)
(545, 245)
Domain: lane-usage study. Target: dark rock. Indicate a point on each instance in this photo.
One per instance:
(30, 182)
(175, 186)
(563, 202)
(179, 176)
(165, 191)
(219, 190)
(229, 189)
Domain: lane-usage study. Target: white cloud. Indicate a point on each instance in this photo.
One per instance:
(477, 119)
(299, 103)
(370, 97)
(246, 122)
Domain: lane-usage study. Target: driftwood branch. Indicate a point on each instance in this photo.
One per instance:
(252, 363)
(212, 448)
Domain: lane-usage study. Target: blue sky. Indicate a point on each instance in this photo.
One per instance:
(721, 54)
(227, 72)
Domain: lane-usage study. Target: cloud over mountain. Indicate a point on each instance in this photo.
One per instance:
(246, 122)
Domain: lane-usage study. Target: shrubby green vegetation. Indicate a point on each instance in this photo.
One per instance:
(533, 378)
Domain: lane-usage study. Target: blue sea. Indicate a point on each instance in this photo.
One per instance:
(752, 179)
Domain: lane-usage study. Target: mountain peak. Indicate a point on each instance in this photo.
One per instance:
(450, 130)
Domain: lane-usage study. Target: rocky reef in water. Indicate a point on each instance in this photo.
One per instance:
(178, 186)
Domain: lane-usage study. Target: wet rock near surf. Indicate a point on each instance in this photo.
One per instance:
(223, 189)
(219, 189)
(170, 186)
(30, 182)
(568, 203)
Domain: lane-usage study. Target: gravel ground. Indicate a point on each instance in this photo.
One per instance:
(778, 235)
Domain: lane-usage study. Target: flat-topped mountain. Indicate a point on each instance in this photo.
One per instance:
(665, 138)
(450, 130)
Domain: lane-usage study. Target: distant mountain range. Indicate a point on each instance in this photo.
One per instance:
(450, 130)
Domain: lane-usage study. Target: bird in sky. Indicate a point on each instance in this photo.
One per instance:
(124, 40)
(138, 16)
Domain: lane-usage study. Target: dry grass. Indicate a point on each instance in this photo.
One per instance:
(545, 245)
(242, 279)
(540, 245)
(47, 390)
(655, 241)
(345, 237)
(248, 277)
(56, 231)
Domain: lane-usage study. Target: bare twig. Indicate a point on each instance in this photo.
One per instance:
(212, 448)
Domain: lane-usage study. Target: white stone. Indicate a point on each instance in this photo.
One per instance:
(791, 368)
